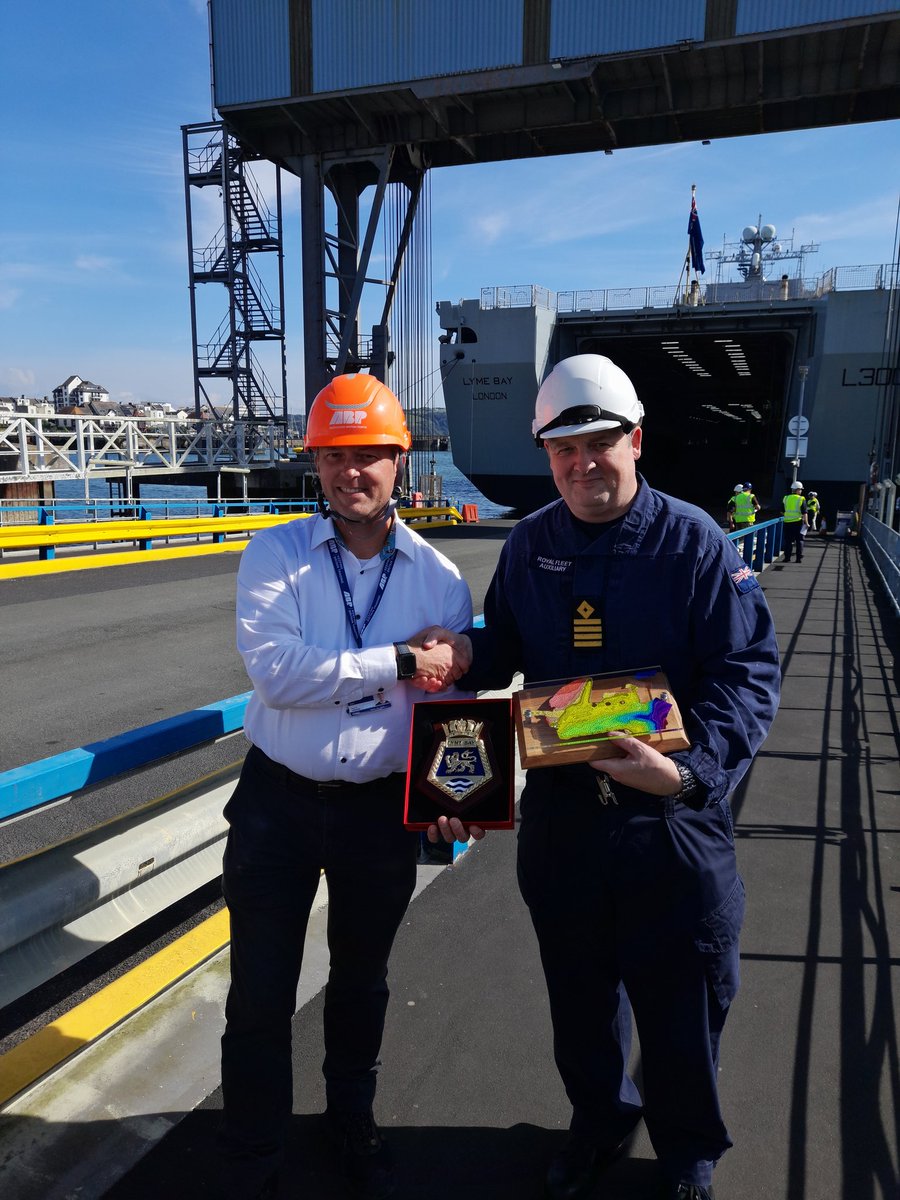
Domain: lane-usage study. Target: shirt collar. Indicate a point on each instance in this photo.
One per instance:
(323, 531)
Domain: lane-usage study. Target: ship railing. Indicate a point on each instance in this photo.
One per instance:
(520, 295)
(871, 277)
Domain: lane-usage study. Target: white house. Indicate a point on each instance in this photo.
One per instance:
(78, 392)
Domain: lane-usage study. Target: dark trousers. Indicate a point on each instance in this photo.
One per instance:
(792, 538)
(641, 916)
(284, 830)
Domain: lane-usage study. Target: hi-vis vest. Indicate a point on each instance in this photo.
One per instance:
(743, 508)
(792, 505)
(812, 505)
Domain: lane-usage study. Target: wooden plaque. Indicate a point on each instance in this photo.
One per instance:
(578, 720)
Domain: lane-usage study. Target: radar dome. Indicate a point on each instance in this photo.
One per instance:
(767, 233)
(750, 232)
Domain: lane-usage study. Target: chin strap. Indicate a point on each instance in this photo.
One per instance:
(326, 511)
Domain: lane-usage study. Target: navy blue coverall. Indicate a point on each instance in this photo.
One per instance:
(639, 897)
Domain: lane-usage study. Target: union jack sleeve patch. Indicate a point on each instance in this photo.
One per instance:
(744, 580)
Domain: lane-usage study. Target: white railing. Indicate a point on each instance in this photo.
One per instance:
(772, 291)
(36, 448)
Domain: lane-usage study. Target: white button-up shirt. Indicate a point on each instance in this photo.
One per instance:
(294, 636)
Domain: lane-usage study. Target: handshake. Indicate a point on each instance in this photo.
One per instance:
(442, 657)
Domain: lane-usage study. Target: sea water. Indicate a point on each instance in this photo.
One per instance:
(456, 489)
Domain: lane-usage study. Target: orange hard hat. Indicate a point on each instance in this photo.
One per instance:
(356, 410)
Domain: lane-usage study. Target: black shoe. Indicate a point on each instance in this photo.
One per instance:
(686, 1191)
(576, 1169)
(366, 1160)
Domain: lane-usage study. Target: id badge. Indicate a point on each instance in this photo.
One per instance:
(367, 704)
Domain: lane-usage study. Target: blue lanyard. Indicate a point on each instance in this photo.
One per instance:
(387, 566)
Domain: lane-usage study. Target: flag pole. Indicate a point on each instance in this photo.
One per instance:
(686, 265)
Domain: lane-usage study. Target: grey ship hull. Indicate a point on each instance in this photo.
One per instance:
(719, 380)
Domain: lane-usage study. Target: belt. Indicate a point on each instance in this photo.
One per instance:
(323, 787)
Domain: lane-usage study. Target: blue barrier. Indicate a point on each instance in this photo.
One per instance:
(24, 788)
(759, 544)
(37, 783)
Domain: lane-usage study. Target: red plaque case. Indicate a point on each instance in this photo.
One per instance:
(460, 763)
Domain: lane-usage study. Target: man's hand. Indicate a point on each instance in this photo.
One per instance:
(451, 829)
(642, 767)
(442, 656)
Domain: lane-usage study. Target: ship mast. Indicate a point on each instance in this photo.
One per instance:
(757, 250)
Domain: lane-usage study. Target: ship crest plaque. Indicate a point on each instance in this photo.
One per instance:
(461, 763)
(461, 766)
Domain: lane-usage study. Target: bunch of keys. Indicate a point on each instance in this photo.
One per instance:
(607, 795)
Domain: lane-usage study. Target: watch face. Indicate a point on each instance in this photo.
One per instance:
(406, 664)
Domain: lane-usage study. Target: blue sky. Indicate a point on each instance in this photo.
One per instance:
(93, 265)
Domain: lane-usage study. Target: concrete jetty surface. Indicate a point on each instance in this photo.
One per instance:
(468, 1092)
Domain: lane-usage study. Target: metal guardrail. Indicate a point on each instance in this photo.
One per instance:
(58, 511)
(48, 536)
(63, 903)
(874, 276)
(46, 539)
(759, 544)
(65, 447)
(882, 545)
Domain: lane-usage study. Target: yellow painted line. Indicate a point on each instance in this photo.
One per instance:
(52, 1045)
(86, 562)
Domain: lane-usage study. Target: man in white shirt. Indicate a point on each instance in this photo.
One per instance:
(327, 613)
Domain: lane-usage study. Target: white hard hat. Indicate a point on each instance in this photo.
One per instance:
(585, 394)
(812, 493)
(738, 487)
(797, 487)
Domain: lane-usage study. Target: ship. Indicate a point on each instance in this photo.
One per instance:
(752, 378)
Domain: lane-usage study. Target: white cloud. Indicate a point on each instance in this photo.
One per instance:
(18, 378)
(94, 263)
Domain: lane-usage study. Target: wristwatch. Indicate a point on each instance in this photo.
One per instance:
(690, 784)
(406, 661)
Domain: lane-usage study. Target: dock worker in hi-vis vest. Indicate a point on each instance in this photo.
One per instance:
(812, 509)
(627, 864)
(743, 507)
(328, 609)
(746, 506)
(732, 504)
(795, 521)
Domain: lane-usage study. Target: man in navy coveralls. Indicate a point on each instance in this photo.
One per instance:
(627, 865)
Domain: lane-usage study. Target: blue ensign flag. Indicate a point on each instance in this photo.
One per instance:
(696, 239)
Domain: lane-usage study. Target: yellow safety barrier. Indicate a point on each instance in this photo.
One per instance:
(46, 539)
(89, 533)
(430, 518)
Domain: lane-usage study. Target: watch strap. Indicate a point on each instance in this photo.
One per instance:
(691, 790)
(406, 661)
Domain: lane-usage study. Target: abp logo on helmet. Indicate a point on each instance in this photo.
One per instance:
(347, 417)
